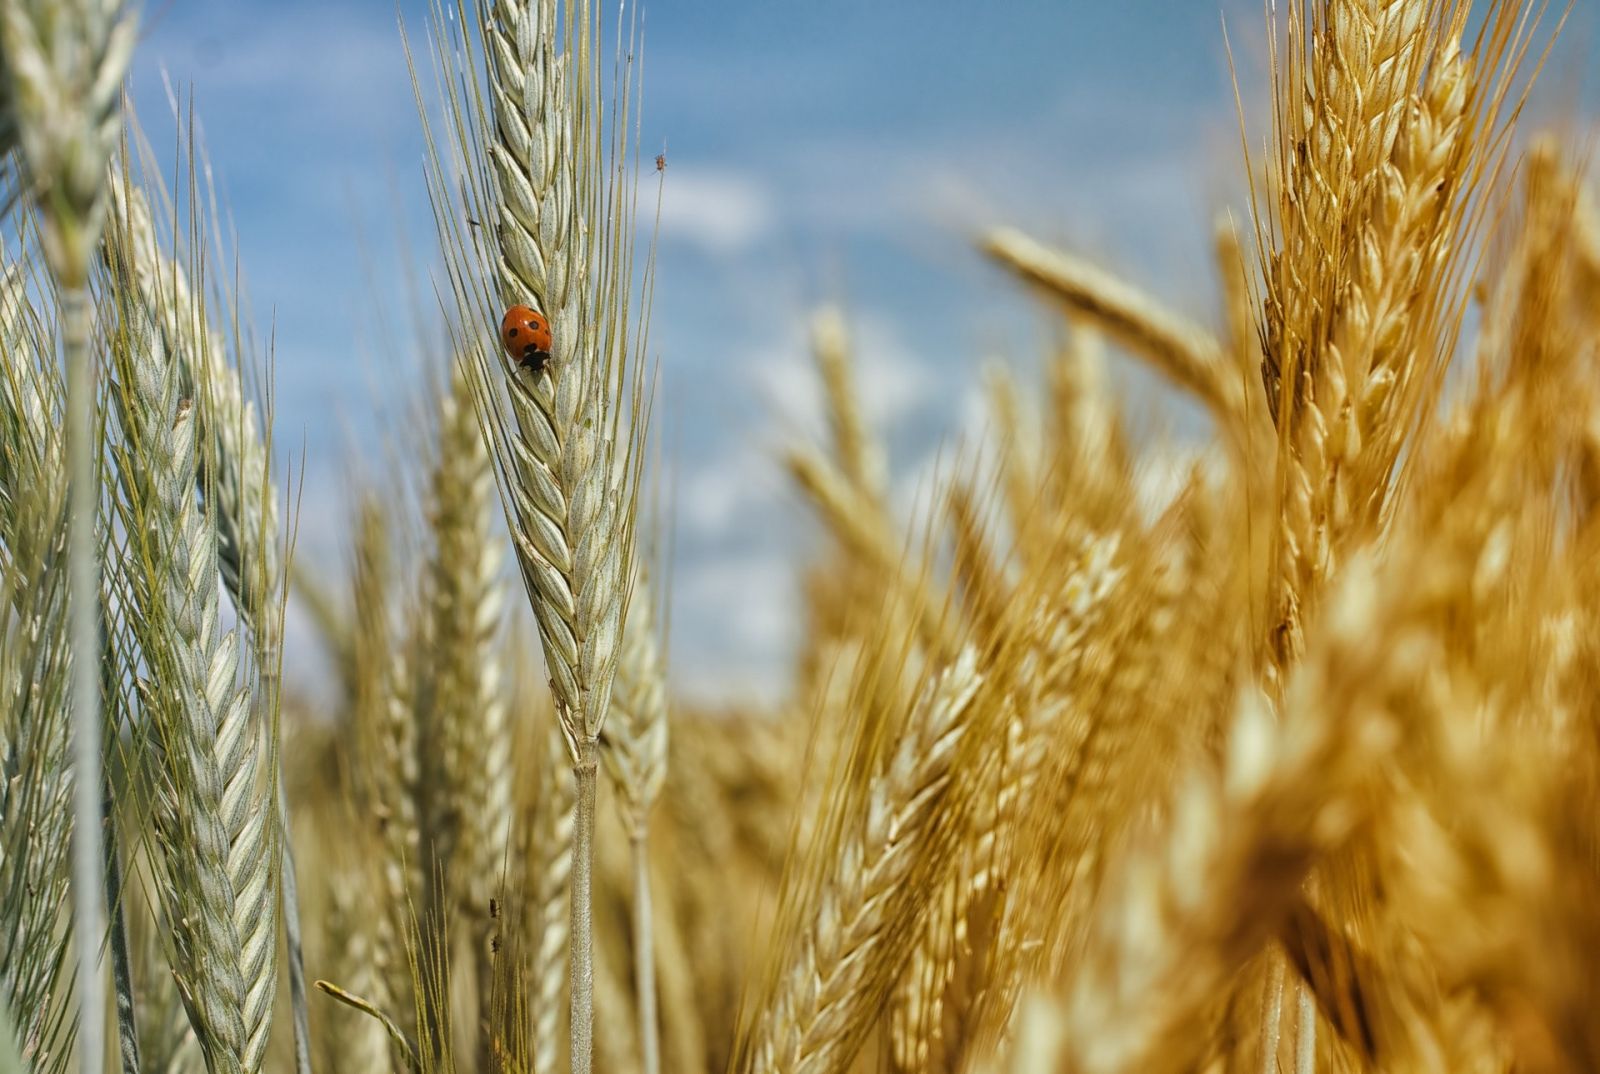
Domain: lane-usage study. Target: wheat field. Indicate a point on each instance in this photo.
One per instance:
(1295, 768)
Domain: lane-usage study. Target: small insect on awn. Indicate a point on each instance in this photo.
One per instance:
(525, 334)
(661, 162)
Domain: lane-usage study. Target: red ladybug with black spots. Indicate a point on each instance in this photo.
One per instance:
(525, 334)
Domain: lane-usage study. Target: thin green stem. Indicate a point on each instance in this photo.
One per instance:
(290, 894)
(83, 570)
(585, 774)
(289, 885)
(644, 952)
(121, 965)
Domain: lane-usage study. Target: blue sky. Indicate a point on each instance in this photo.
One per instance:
(832, 150)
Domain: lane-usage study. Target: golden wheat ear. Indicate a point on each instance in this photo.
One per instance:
(876, 869)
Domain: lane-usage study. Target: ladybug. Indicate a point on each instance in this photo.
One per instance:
(525, 334)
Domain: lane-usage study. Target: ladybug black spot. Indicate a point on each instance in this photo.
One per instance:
(513, 332)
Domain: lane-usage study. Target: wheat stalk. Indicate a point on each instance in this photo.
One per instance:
(1196, 904)
(36, 795)
(1365, 386)
(1351, 68)
(546, 162)
(1380, 183)
(235, 477)
(63, 66)
(236, 468)
(1185, 353)
(550, 861)
(466, 705)
(567, 463)
(219, 840)
(636, 739)
(860, 457)
(635, 753)
(846, 954)
(360, 1042)
(386, 740)
(1043, 709)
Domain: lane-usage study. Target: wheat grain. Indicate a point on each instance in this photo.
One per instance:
(635, 751)
(36, 796)
(236, 468)
(636, 739)
(859, 456)
(1183, 352)
(846, 954)
(387, 772)
(218, 838)
(1238, 847)
(63, 65)
(568, 450)
(235, 476)
(466, 706)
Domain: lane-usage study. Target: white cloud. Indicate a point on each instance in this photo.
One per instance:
(713, 497)
(744, 619)
(722, 212)
(892, 383)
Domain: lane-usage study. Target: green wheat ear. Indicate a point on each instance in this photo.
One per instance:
(61, 68)
(215, 817)
(36, 815)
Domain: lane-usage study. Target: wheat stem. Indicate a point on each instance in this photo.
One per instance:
(550, 857)
(83, 604)
(634, 746)
(644, 955)
(1272, 1016)
(64, 71)
(1305, 1044)
(290, 892)
(586, 778)
(121, 966)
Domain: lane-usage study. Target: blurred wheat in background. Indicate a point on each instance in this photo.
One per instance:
(1293, 763)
